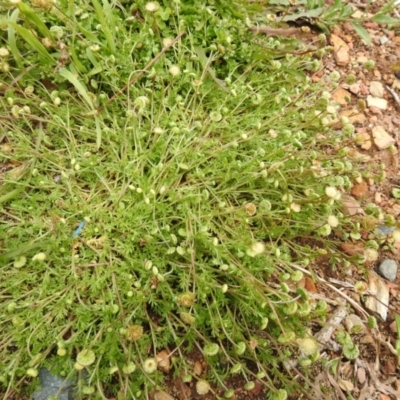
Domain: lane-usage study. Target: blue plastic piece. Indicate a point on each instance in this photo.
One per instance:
(79, 229)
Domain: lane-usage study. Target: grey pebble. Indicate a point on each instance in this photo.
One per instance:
(54, 387)
(388, 269)
(385, 230)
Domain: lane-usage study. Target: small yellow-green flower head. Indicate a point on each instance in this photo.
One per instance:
(174, 70)
(240, 348)
(186, 299)
(256, 249)
(202, 387)
(152, 6)
(134, 332)
(150, 365)
(85, 357)
(335, 76)
(129, 368)
(4, 52)
(333, 221)
(187, 318)
(211, 349)
(61, 352)
(57, 31)
(325, 230)
(39, 257)
(141, 102)
(249, 385)
(236, 368)
(297, 276)
(287, 337)
(32, 372)
(331, 192)
(308, 346)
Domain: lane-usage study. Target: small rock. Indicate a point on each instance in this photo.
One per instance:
(340, 50)
(376, 102)
(359, 190)
(382, 139)
(376, 89)
(355, 88)
(378, 197)
(354, 324)
(367, 143)
(388, 269)
(197, 368)
(348, 27)
(367, 339)
(375, 111)
(341, 96)
(354, 116)
(361, 375)
(371, 24)
(396, 121)
(394, 210)
(362, 59)
(351, 205)
(383, 40)
(161, 395)
(52, 385)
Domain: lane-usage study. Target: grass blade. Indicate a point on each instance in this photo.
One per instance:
(12, 40)
(33, 19)
(105, 24)
(362, 32)
(80, 87)
(33, 42)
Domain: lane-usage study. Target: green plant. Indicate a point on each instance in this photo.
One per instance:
(397, 319)
(164, 179)
(326, 16)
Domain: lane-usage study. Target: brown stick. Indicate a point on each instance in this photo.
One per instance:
(133, 80)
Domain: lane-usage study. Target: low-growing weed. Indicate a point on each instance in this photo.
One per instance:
(161, 216)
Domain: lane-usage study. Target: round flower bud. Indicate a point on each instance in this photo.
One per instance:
(249, 385)
(174, 70)
(240, 348)
(152, 6)
(333, 221)
(4, 52)
(85, 357)
(61, 352)
(187, 318)
(134, 332)
(129, 368)
(308, 346)
(39, 257)
(186, 299)
(150, 365)
(202, 387)
(211, 349)
(32, 372)
(256, 249)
